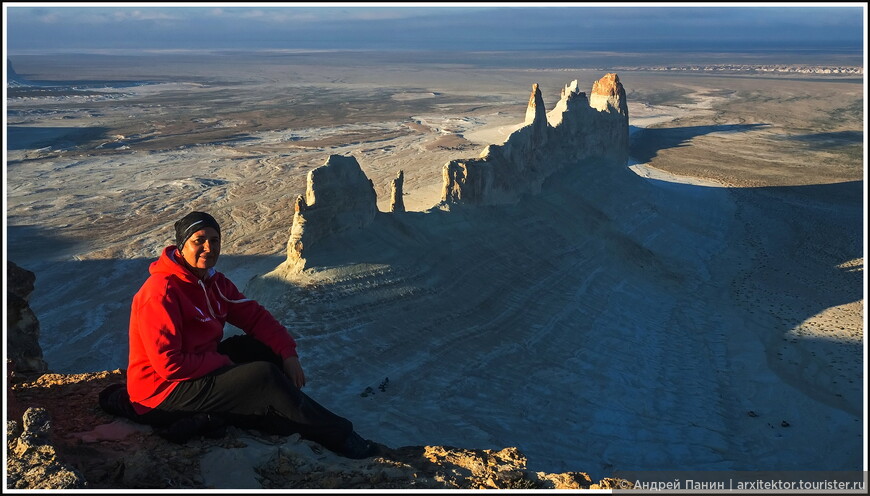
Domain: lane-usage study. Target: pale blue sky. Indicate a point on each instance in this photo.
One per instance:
(47, 27)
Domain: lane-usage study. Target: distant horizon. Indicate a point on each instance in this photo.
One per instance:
(716, 28)
(216, 50)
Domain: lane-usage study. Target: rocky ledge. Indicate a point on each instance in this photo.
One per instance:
(58, 437)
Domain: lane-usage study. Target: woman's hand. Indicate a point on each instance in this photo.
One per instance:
(293, 369)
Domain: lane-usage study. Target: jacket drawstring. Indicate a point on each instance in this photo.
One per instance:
(208, 300)
(243, 300)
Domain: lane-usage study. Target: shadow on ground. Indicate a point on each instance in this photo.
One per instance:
(646, 142)
(30, 137)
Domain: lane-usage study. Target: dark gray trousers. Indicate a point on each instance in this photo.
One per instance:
(255, 393)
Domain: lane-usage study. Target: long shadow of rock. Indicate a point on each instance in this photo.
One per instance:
(29, 244)
(31, 137)
(645, 143)
(805, 244)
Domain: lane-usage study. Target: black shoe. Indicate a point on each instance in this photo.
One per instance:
(115, 400)
(186, 428)
(356, 447)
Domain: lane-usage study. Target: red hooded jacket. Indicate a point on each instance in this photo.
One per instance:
(177, 322)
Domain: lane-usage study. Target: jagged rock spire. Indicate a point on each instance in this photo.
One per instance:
(569, 95)
(536, 111)
(397, 204)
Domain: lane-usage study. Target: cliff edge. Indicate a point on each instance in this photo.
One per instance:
(63, 440)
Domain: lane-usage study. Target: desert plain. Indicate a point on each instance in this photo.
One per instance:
(701, 308)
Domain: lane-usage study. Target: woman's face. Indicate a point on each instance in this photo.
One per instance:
(202, 248)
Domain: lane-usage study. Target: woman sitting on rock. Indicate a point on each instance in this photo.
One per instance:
(183, 379)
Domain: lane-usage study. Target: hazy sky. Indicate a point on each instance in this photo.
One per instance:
(75, 26)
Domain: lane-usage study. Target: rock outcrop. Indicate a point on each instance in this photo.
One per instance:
(423, 467)
(578, 128)
(32, 460)
(338, 197)
(22, 338)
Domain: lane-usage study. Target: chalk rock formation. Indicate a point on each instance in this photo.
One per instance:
(338, 197)
(397, 204)
(22, 339)
(575, 130)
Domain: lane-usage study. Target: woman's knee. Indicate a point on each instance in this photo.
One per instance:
(245, 348)
(257, 375)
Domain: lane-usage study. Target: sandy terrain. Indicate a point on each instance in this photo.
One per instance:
(623, 319)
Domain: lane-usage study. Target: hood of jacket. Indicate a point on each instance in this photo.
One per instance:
(169, 265)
